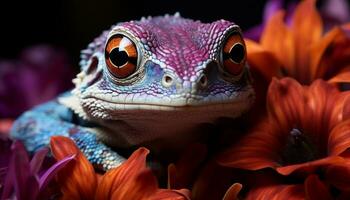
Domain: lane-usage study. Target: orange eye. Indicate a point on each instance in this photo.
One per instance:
(234, 54)
(121, 56)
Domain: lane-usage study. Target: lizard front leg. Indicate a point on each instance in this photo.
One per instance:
(35, 127)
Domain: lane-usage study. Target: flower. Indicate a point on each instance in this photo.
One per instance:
(301, 50)
(5, 126)
(196, 170)
(307, 129)
(313, 188)
(131, 180)
(23, 178)
(333, 12)
(37, 76)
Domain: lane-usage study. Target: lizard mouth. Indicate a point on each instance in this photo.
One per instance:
(159, 107)
(134, 124)
(179, 104)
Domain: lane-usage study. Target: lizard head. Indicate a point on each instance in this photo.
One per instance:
(163, 75)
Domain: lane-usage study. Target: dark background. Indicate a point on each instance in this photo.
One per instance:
(72, 24)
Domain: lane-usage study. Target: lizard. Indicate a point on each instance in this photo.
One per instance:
(145, 80)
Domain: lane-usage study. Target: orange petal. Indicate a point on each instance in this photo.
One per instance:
(132, 180)
(186, 168)
(346, 108)
(172, 179)
(319, 49)
(136, 188)
(309, 166)
(339, 138)
(315, 189)
(339, 176)
(258, 150)
(286, 104)
(277, 192)
(5, 126)
(182, 194)
(278, 39)
(232, 192)
(78, 180)
(307, 29)
(346, 26)
(340, 108)
(331, 54)
(342, 77)
(262, 61)
(116, 179)
(212, 182)
(317, 122)
(62, 147)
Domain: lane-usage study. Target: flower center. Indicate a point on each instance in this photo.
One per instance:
(298, 149)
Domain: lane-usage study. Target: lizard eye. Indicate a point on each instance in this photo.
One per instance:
(234, 54)
(121, 56)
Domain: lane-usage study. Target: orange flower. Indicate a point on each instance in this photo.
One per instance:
(131, 180)
(301, 50)
(313, 188)
(307, 129)
(207, 180)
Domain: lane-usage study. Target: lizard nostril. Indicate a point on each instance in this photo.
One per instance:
(167, 80)
(203, 81)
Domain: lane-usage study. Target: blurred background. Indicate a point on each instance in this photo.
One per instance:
(40, 41)
(72, 24)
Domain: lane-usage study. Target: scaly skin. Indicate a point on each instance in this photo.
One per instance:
(180, 80)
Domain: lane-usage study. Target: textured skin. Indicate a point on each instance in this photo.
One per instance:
(143, 108)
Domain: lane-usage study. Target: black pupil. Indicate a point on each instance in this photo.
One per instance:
(237, 53)
(118, 58)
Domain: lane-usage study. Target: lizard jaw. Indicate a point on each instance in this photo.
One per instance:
(129, 127)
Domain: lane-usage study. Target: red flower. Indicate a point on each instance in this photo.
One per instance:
(313, 188)
(301, 50)
(131, 180)
(307, 129)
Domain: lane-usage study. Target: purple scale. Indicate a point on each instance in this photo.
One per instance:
(166, 37)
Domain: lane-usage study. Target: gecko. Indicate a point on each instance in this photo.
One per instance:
(144, 81)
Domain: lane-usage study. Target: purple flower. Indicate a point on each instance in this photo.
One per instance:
(24, 178)
(333, 12)
(37, 76)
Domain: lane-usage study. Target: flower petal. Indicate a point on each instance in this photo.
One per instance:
(307, 29)
(286, 104)
(5, 126)
(213, 178)
(276, 36)
(258, 150)
(339, 176)
(339, 138)
(143, 186)
(25, 183)
(277, 192)
(53, 170)
(37, 160)
(164, 194)
(262, 61)
(117, 178)
(346, 108)
(308, 167)
(321, 49)
(232, 192)
(78, 180)
(341, 77)
(182, 174)
(323, 100)
(315, 189)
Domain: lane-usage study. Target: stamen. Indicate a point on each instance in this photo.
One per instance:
(298, 148)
